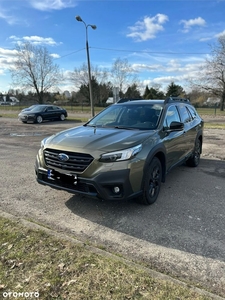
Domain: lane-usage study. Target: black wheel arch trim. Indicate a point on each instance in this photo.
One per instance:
(200, 137)
(158, 151)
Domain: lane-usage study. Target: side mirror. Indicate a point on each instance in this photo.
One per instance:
(176, 126)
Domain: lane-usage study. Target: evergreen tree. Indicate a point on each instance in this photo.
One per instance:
(132, 92)
(153, 93)
(175, 90)
(146, 92)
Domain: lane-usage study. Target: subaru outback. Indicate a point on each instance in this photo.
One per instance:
(123, 152)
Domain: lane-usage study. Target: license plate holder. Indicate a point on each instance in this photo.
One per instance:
(67, 178)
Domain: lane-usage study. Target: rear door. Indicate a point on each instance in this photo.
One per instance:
(56, 112)
(49, 113)
(189, 128)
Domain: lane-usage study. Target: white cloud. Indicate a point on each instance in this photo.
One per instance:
(54, 55)
(205, 39)
(221, 34)
(179, 71)
(7, 52)
(46, 5)
(188, 24)
(174, 64)
(164, 81)
(171, 66)
(43, 5)
(142, 67)
(11, 20)
(6, 63)
(7, 59)
(148, 28)
(213, 36)
(37, 40)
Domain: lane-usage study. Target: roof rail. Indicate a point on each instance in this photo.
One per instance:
(122, 100)
(176, 99)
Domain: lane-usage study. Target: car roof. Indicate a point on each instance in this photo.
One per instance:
(170, 99)
(147, 101)
(46, 105)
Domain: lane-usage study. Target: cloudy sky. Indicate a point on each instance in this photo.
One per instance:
(164, 40)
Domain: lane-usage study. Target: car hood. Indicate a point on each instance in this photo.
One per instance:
(101, 139)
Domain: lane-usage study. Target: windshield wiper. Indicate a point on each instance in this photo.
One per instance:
(125, 127)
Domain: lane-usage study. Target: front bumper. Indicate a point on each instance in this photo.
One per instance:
(110, 185)
(27, 118)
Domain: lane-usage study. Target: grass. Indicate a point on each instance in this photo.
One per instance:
(70, 118)
(14, 110)
(75, 113)
(210, 111)
(87, 109)
(34, 261)
(214, 125)
(80, 116)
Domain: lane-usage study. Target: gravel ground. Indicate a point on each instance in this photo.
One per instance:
(21, 196)
(214, 139)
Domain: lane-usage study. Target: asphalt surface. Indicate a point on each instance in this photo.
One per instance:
(182, 234)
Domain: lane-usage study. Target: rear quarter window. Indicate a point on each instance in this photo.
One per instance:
(185, 114)
(193, 112)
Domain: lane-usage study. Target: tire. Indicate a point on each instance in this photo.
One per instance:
(39, 119)
(151, 182)
(193, 161)
(62, 117)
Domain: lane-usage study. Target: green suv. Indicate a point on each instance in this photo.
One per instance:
(123, 152)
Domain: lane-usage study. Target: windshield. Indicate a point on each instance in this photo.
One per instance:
(136, 116)
(38, 108)
(31, 107)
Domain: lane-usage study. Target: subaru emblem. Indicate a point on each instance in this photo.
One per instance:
(63, 157)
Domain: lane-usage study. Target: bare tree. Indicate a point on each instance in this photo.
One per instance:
(79, 76)
(123, 75)
(34, 69)
(212, 76)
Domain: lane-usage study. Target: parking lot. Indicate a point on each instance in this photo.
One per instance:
(182, 234)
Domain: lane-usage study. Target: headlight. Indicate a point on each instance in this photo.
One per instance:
(121, 155)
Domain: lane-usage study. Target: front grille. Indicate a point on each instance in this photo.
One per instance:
(77, 162)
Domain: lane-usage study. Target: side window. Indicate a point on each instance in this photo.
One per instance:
(192, 112)
(185, 114)
(171, 115)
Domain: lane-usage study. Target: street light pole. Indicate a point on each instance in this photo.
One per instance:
(78, 18)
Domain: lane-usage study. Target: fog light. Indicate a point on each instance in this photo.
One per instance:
(116, 190)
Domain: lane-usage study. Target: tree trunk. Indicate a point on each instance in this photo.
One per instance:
(222, 101)
(41, 97)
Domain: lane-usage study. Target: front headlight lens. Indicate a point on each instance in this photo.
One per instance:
(121, 155)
